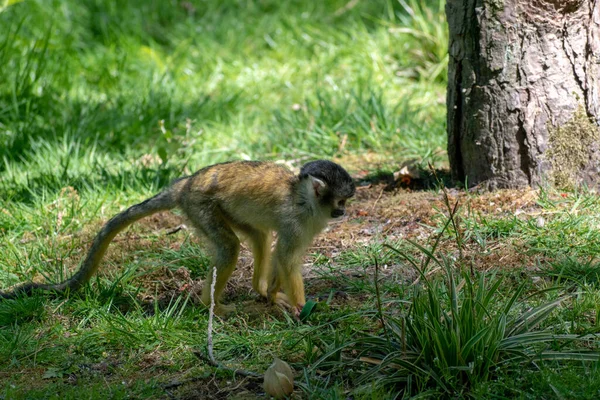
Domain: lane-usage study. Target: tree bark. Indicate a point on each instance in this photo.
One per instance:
(523, 92)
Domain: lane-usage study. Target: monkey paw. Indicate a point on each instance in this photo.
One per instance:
(261, 288)
(222, 310)
(283, 301)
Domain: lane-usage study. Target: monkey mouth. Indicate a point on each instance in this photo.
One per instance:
(337, 213)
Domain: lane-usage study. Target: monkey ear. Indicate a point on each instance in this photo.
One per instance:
(318, 185)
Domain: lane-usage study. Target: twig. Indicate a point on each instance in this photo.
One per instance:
(453, 216)
(177, 229)
(349, 6)
(377, 201)
(234, 371)
(436, 269)
(389, 228)
(175, 384)
(380, 312)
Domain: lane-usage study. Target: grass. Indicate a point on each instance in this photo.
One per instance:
(102, 105)
(460, 331)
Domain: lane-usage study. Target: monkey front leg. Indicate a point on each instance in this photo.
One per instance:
(287, 275)
(292, 297)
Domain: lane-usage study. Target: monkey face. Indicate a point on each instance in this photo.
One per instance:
(331, 184)
(339, 208)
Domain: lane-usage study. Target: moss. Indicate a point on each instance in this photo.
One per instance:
(497, 5)
(571, 149)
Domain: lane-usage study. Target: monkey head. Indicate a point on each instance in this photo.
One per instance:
(332, 185)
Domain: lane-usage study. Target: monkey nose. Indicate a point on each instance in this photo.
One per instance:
(337, 213)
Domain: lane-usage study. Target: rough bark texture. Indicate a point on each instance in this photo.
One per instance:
(523, 91)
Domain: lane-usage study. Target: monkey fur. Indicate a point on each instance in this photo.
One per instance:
(248, 199)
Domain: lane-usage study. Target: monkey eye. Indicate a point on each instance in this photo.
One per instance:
(342, 203)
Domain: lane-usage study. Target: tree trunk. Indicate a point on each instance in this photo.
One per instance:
(523, 92)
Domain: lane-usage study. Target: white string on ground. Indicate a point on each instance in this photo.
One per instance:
(211, 313)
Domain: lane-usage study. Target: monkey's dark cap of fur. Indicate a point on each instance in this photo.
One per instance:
(332, 174)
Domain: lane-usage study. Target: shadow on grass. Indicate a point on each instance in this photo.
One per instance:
(52, 184)
(419, 179)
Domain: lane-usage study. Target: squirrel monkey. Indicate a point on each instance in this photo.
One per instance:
(248, 199)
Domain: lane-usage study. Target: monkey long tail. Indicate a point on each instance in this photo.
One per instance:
(162, 201)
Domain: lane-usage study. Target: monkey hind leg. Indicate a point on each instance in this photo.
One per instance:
(225, 248)
(224, 260)
(261, 250)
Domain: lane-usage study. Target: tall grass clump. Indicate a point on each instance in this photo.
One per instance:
(461, 330)
(424, 31)
(575, 271)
